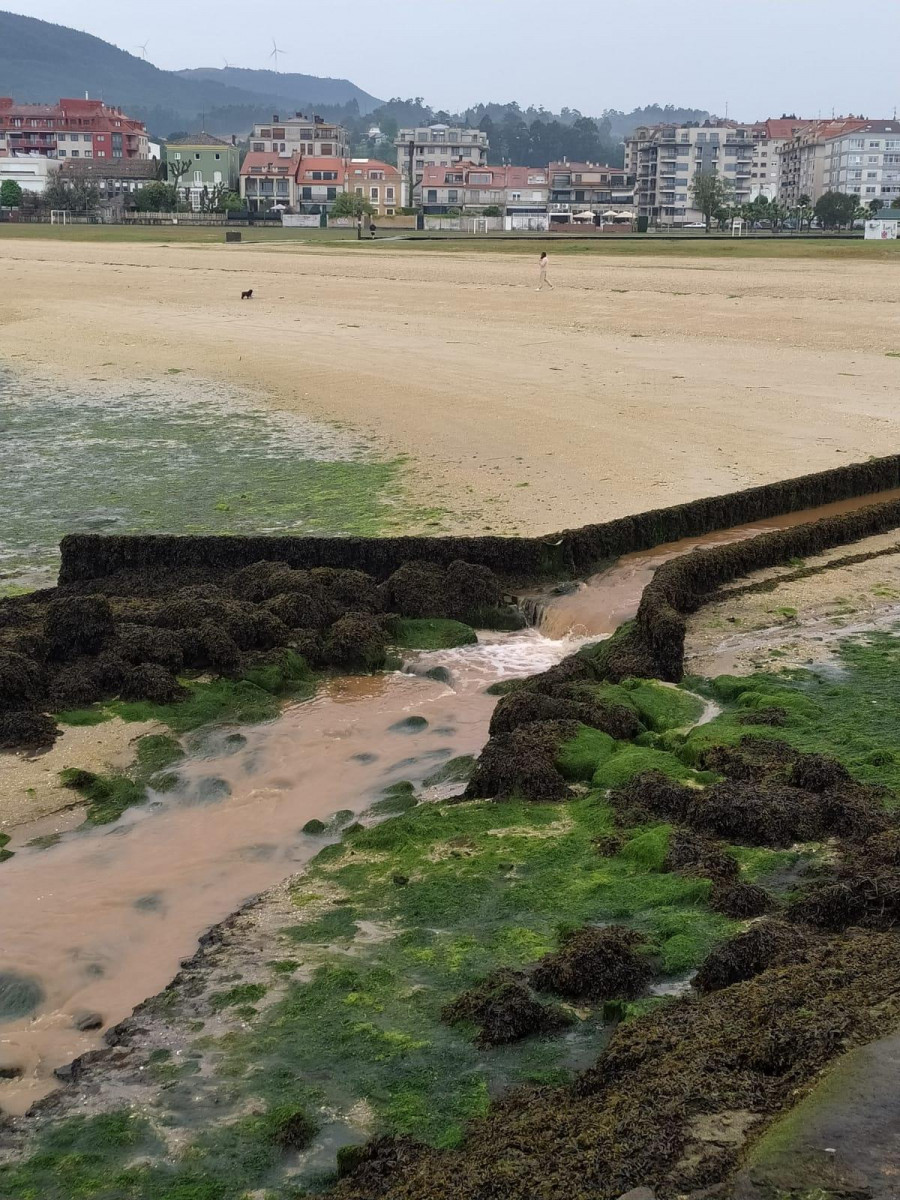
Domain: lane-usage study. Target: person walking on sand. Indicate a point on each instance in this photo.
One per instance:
(542, 271)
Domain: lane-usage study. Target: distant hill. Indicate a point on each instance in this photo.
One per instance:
(40, 62)
(291, 89)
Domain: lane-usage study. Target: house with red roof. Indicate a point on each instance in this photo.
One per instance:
(311, 184)
(70, 129)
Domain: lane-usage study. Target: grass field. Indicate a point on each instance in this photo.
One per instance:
(694, 245)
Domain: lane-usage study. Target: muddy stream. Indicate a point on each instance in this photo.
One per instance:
(101, 919)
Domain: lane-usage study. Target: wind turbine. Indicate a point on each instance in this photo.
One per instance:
(228, 65)
(143, 50)
(276, 50)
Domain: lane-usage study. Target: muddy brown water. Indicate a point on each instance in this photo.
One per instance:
(102, 919)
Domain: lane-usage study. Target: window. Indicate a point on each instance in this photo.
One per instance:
(389, 195)
(62, 153)
(218, 156)
(331, 193)
(373, 194)
(326, 150)
(315, 175)
(265, 133)
(76, 153)
(101, 154)
(871, 190)
(306, 193)
(88, 154)
(257, 146)
(198, 177)
(87, 137)
(197, 156)
(857, 143)
(278, 133)
(217, 176)
(874, 145)
(432, 196)
(874, 158)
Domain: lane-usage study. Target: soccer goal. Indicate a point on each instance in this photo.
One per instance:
(737, 227)
(59, 216)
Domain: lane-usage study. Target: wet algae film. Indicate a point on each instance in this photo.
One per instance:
(175, 456)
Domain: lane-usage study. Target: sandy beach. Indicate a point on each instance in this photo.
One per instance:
(635, 383)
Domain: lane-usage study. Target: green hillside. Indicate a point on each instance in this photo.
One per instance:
(40, 62)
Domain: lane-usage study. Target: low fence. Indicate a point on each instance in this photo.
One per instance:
(464, 224)
(573, 552)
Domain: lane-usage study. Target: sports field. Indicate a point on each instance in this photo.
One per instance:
(653, 372)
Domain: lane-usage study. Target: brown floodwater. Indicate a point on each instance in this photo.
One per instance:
(102, 919)
(601, 603)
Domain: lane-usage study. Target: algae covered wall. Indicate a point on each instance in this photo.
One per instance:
(681, 585)
(93, 556)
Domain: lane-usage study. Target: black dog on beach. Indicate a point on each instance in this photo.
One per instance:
(248, 295)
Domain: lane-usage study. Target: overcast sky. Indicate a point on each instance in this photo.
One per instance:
(761, 57)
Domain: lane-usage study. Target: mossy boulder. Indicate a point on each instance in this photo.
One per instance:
(77, 625)
(357, 641)
(580, 757)
(596, 963)
(430, 633)
(630, 761)
(503, 1009)
(23, 682)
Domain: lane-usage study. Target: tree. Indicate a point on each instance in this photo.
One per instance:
(351, 204)
(10, 194)
(156, 197)
(875, 206)
(709, 193)
(835, 209)
(76, 195)
(177, 168)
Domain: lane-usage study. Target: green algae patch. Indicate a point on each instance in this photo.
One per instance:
(284, 674)
(852, 714)
(108, 796)
(448, 893)
(630, 760)
(579, 758)
(431, 634)
(165, 456)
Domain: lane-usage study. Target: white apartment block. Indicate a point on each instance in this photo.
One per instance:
(311, 137)
(802, 159)
(665, 158)
(436, 146)
(865, 162)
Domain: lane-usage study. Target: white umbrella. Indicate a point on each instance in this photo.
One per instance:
(587, 215)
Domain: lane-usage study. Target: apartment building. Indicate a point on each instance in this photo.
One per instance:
(310, 136)
(70, 129)
(312, 184)
(436, 146)
(579, 187)
(510, 189)
(802, 158)
(267, 180)
(865, 162)
(769, 137)
(663, 160)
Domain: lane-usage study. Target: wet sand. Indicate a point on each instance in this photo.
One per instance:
(633, 384)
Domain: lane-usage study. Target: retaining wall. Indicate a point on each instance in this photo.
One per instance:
(683, 584)
(573, 552)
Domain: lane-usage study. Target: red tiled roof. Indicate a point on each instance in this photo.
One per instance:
(784, 127)
(266, 163)
(306, 165)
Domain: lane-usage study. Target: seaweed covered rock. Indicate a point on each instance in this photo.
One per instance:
(525, 708)
(417, 589)
(346, 590)
(77, 625)
(23, 683)
(858, 893)
(26, 730)
(596, 963)
(818, 773)
(254, 628)
(758, 814)
(773, 715)
(504, 1010)
(650, 796)
(740, 901)
(626, 655)
(190, 609)
(522, 764)
(470, 589)
(151, 682)
(208, 647)
(691, 853)
(765, 944)
(357, 640)
(264, 579)
(753, 759)
(299, 610)
(138, 644)
(371, 1168)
